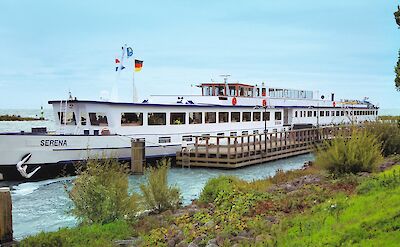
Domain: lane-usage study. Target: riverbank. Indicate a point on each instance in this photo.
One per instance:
(19, 118)
(293, 208)
(43, 205)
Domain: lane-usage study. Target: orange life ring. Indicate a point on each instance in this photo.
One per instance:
(105, 132)
(234, 101)
(264, 102)
(334, 104)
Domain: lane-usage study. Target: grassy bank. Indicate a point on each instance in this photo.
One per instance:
(348, 197)
(297, 208)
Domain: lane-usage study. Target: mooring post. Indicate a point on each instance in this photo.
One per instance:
(6, 231)
(138, 158)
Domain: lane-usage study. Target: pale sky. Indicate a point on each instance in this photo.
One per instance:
(50, 47)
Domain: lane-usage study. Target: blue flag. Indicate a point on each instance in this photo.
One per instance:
(129, 52)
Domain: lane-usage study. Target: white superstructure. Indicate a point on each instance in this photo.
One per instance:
(99, 128)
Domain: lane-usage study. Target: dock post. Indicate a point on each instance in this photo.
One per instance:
(6, 231)
(138, 158)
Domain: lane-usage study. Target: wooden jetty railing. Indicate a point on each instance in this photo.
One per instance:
(239, 151)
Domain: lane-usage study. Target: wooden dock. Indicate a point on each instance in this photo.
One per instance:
(240, 151)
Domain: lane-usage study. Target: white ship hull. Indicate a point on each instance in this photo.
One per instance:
(59, 150)
(90, 129)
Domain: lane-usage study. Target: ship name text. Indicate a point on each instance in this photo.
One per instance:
(53, 143)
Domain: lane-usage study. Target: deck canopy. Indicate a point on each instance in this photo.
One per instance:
(229, 89)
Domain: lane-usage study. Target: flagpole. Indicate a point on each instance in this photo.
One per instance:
(133, 82)
(114, 94)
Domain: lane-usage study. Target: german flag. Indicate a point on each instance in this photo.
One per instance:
(138, 65)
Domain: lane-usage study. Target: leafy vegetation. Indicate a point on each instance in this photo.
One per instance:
(17, 118)
(360, 153)
(100, 193)
(388, 135)
(157, 194)
(305, 207)
(383, 118)
(214, 186)
(370, 218)
(397, 72)
(84, 236)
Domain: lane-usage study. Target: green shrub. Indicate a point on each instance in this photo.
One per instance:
(388, 135)
(100, 193)
(360, 153)
(216, 185)
(157, 194)
(93, 235)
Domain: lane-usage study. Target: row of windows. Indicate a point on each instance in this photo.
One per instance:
(176, 118)
(333, 113)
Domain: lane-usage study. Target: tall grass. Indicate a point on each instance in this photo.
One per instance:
(156, 193)
(388, 135)
(360, 153)
(100, 193)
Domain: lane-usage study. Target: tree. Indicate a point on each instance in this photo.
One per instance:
(397, 71)
(397, 15)
(397, 68)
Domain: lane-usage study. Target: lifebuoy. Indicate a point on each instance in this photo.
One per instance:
(234, 101)
(264, 102)
(334, 104)
(105, 132)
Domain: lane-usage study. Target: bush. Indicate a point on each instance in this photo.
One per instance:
(216, 185)
(360, 153)
(93, 235)
(388, 135)
(100, 193)
(157, 194)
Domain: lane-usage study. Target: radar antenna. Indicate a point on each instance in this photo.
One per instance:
(227, 92)
(225, 78)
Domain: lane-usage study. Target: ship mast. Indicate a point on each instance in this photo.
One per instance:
(226, 84)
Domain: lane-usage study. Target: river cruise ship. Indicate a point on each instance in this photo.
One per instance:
(88, 129)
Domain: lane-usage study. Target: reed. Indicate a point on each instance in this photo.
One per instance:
(156, 193)
(100, 193)
(343, 155)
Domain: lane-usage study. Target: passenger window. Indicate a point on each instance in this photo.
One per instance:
(235, 117)
(83, 118)
(211, 117)
(246, 116)
(256, 116)
(266, 116)
(223, 117)
(278, 115)
(195, 117)
(157, 118)
(187, 138)
(131, 119)
(98, 119)
(68, 119)
(177, 118)
(164, 139)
